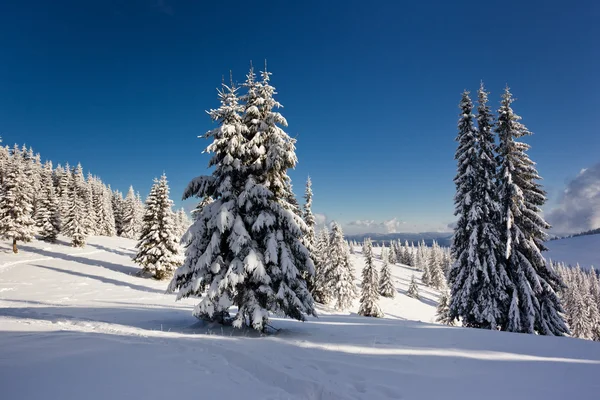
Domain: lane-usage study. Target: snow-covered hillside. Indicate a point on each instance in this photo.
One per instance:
(584, 250)
(77, 324)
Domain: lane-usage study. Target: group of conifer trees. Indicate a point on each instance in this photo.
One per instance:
(39, 200)
(500, 279)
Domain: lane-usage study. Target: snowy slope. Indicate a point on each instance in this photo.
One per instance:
(76, 324)
(584, 250)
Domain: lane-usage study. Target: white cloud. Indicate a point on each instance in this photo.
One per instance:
(371, 226)
(579, 206)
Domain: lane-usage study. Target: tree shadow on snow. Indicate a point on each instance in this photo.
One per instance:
(121, 252)
(83, 260)
(101, 279)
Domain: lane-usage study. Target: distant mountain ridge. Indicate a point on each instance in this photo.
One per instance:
(443, 238)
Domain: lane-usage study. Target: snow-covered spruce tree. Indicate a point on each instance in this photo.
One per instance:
(246, 247)
(182, 222)
(16, 198)
(309, 236)
(437, 279)
(392, 255)
(321, 290)
(339, 275)
(386, 287)
(413, 288)
(139, 214)
(74, 226)
(534, 304)
(64, 186)
(369, 291)
(129, 218)
(91, 217)
(443, 309)
(48, 211)
(478, 281)
(107, 223)
(158, 248)
(118, 207)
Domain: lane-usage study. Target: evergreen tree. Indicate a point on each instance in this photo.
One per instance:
(386, 287)
(309, 236)
(534, 305)
(48, 211)
(478, 282)
(158, 248)
(339, 275)
(129, 215)
(393, 256)
(91, 213)
(369, 295)
(75, 219)
(413, 288)
(182, 222)
(320, 290)
(437, 279)
(64, 186)
(246, 247)
(443, 309)
(16, 201)
(107, 223)
(118, 208)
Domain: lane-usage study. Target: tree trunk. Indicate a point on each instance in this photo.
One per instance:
(15, 249)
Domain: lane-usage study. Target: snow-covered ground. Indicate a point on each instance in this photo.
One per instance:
(77, 324)
(584, 250)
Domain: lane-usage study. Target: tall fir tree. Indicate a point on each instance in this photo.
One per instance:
(158, 247)
(75, 221)
(48, 212)
(129, 215)
(534, 304)
(369, 298)
(386, 286)
(246, 247)
(413, 288)
(339, 276)
(16, 203)
(478, 281)
(321, 290)
(443, 309)
(309, 236)
(118, 205)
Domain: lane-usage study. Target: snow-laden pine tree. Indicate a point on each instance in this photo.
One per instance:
(107, 221)
(309, 236)
(48, 208)
(91, 213)
(118, 208)
(413, 288)
(138, 214)
(392, 255)
(443, 309)
(321, 290)
(478, 280)
(369, 297)
(75, 220)
(64, 186)
(129, 215)
(386, 286)
(339, 275)
(182, 222)
(158, 247)
(246, 247)
(437, 280)
(534, 304)
(16, 203)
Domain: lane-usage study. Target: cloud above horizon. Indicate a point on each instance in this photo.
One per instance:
(578, 208)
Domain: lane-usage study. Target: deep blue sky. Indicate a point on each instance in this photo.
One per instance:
(370, 89)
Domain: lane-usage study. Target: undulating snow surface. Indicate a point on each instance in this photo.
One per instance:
(76, 324)
(584, 250)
